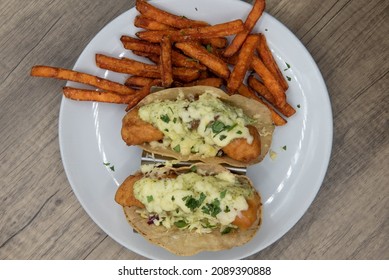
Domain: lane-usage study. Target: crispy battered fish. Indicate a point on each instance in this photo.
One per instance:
(135, 131)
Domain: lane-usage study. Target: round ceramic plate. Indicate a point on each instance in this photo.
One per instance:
(96, 160)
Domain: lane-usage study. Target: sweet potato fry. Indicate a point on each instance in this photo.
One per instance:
(261, 89)
(142, 93)
(247, 92)
(244, 60)
(269, 80)
(186, 74)
(149, 24)
(219, 43)
(198, 52)
(212, 82)
(178, 59)
(133, 67)
(135, 44)
(166, 62)
(151, 56)
(79, 77)
(251, 20)
(268, 59)
(190, 34)
(98, 96)
(127, 66)
(137, 81)
(152, 12)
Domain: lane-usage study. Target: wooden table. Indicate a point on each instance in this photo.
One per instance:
(41, 217)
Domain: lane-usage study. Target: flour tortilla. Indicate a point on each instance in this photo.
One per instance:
(187, 243)
(252, 108)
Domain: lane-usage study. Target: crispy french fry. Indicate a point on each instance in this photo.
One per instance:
(190, 34)
(79, 77)
(261, 89)
(212, 82)
(198, 52)
(247, 92)
(268, 59)
(166, 62)
(137, 81)
(244, 60)
(269, 80)
(152, 12)
(98, 96)
(149, 24)
(251, 20)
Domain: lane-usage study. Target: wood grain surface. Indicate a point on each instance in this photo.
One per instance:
(40, 217)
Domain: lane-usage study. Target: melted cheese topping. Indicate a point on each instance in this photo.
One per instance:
(200, 126)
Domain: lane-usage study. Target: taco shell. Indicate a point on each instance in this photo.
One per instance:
(185, 242)
(253, 109)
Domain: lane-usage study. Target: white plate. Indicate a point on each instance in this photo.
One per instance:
(89, 135)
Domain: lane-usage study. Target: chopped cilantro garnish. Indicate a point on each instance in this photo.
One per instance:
(222, 137)
(289, 78)
(193, 203)
(226, 230)
(287, 66)
(196, 9)
(212, 208)
(239, 132)
(218, 126)
(150, 198)
(177, 148)
(175, 120)
(223, 194)
(180, 224)
(193, 168)
(110, 167)
(231, 127)
(209, 48)
(165, 118)
(173, 198)
(298, 105)
(284, 148)
(167, 130)
(266, 29)
(227, 209)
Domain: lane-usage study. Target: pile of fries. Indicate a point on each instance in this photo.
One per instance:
(185, 52)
